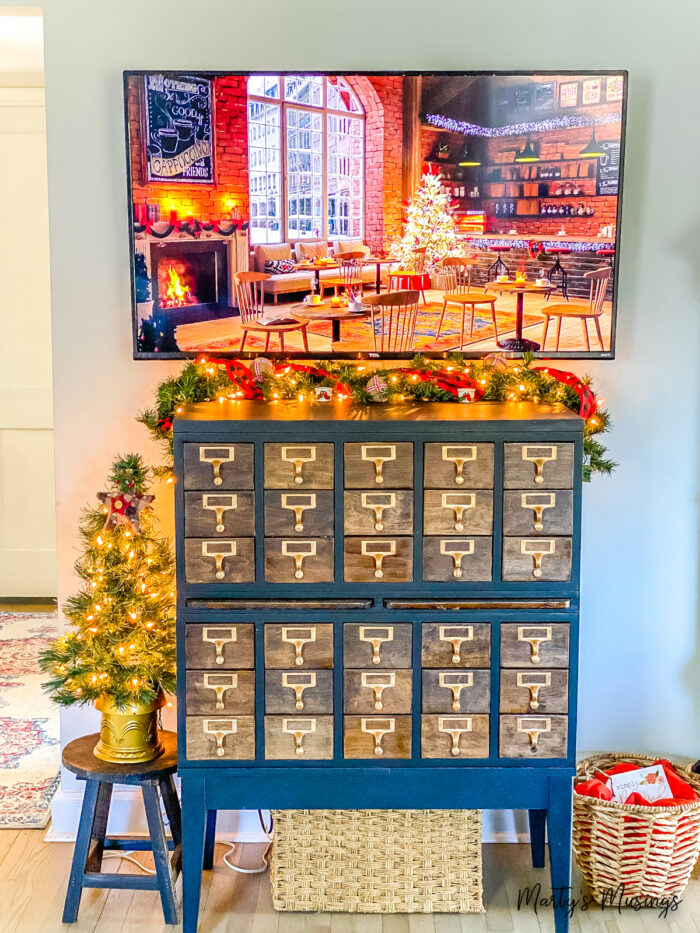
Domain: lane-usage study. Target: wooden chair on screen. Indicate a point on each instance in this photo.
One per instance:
(251, 304)
(393, 320)
(349, 273)
(413, 277)
(456, 274)
(585, 311)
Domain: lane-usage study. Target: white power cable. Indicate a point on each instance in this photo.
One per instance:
(129, 857)
(232, 848)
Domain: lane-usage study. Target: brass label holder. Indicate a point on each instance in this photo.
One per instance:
(538, 502)
(459, 502)
(220, 683)
(219, 729)
(298, 728)
(457, 550)
(219, 504)
(534, 729)
(459, 455)
(534, 636)
(534, 681)
(299, 550)
(378, 454)
(219, 636)
(539, 455)
(298, 503)
(456, 682)
(537, 549)
(378, 550)
(377, 502)
(298, 682)
(376, 635)
(216, 456)
(455, 727)
(456, 635)
(378, 728)
(298, 456)
(378, 681)
(298, 636)
(223, 549)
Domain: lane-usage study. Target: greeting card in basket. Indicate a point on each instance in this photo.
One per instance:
(650, 783)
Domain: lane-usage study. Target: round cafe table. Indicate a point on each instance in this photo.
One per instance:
(379, 261)
(325, 311)
(316, 268)
(519, 343)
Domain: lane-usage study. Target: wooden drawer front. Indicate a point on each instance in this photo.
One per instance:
(377, 737)
(220, 737)
(374, 692)
(299, 514)
(229, 514)
(221, 693)
(456, 691)
(450, 512)
(378, 560)
(538, 513)
(298, 466)
(299, 737)
(298, 560)
(536, 692)
(220, 560)
(533, 736)
(368, 646)
(524, 644)
(457, 645)
(539, 466)
(300, 647)
(460, 560)
(218, 466)
(298, 692)
(379, 512)
(454, 736)
(379, 466)
(456, 466)
(536, 559)
(220, 647)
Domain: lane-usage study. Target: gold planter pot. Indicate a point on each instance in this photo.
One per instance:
(130, 734)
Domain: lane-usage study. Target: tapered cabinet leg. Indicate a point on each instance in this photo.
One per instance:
(559, 833)
(537, 820)
(209, 840)
(193, 830)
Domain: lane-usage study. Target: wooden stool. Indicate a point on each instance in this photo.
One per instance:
(100, 777)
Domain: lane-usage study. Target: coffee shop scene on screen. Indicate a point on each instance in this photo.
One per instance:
(325, 214)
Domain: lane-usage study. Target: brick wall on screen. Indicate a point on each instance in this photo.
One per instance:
(384, 141)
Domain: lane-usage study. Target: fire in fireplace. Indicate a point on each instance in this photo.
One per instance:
(176, 285)
(190, 279)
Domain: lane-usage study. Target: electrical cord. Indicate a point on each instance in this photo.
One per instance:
(129, 857)
(232, 848)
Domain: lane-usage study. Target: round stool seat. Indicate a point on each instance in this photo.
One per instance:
(557, 250)
(605, 251)
(78, 757)
(498, 249)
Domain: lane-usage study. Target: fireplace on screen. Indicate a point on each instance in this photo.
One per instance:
(190, 280)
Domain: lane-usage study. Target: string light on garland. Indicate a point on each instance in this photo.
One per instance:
(519, 129)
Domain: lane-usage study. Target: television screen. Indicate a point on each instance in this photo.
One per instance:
(358, 215)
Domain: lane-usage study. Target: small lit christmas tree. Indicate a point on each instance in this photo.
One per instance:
(429, 224)
(122, 645)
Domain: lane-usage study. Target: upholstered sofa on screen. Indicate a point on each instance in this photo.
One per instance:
(286, 283)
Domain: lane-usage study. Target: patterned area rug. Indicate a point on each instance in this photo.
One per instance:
(29, 748)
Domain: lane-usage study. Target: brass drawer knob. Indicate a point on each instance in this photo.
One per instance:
(455, 727)
(219, 550)
(377, 502)
(537, 549)
(538, 456)
(219, 504)
(456, 635)
(538, 502)
(534, 636)
(457, 550)
(378, 550)
(376, 636)
(379, 454)
(216, 456)
(378, 681)
(298, 504)
(298, 456)
(219, 636)
(298, 637)
(459, 455)
(378, 728)
(458, 502)
(219, 729)
(299, 728)
(299, 550)
(298, 682)
(456, 683)
(534, 682)
(534, 729)
(220, 683)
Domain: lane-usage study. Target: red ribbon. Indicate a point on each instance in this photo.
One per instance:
(588, 403)
(239, 376)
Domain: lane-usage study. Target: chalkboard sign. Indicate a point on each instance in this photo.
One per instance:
(609, 168)
(179, 135)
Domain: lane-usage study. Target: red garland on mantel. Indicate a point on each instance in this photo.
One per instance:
(589, 403)
(444, 380)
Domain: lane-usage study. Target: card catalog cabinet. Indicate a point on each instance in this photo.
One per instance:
(377, 607)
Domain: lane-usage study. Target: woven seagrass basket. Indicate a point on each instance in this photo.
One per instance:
(649, 850)
(377, 861)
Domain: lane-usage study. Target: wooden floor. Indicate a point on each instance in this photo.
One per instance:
(33, 876)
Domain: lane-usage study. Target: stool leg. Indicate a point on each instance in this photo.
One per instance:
(89, 824)
(161, 857)
(172, 811)
(209, 839)
(193, 803)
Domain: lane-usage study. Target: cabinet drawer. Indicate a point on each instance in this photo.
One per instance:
(456, 645)
(538, 513)
(458, 465)
(218, 466)
(536, 559)
(298, 560)
(220, 560)
(220, 737)
(536, 692)
(524, 644)
(299, 692)
(449, 512)
(221, 693)
(378, 466)
(533, 737)
(454, 736)
(377, 646)
(225, 647)
(457, 560)
(538, 466)
(299, 738)
(303, 647)
(298, 466)
(376, 737)
(372, 692)
(378, 560)
(379, 512)
(299, 514)
(208, 514)
(456, 691)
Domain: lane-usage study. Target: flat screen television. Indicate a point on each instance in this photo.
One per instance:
(280, 214)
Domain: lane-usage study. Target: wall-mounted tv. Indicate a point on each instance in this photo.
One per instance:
(356, 215)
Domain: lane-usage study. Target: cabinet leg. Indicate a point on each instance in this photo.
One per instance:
(194, 808)
(559, 832)
(209, 839)
(537, 820)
